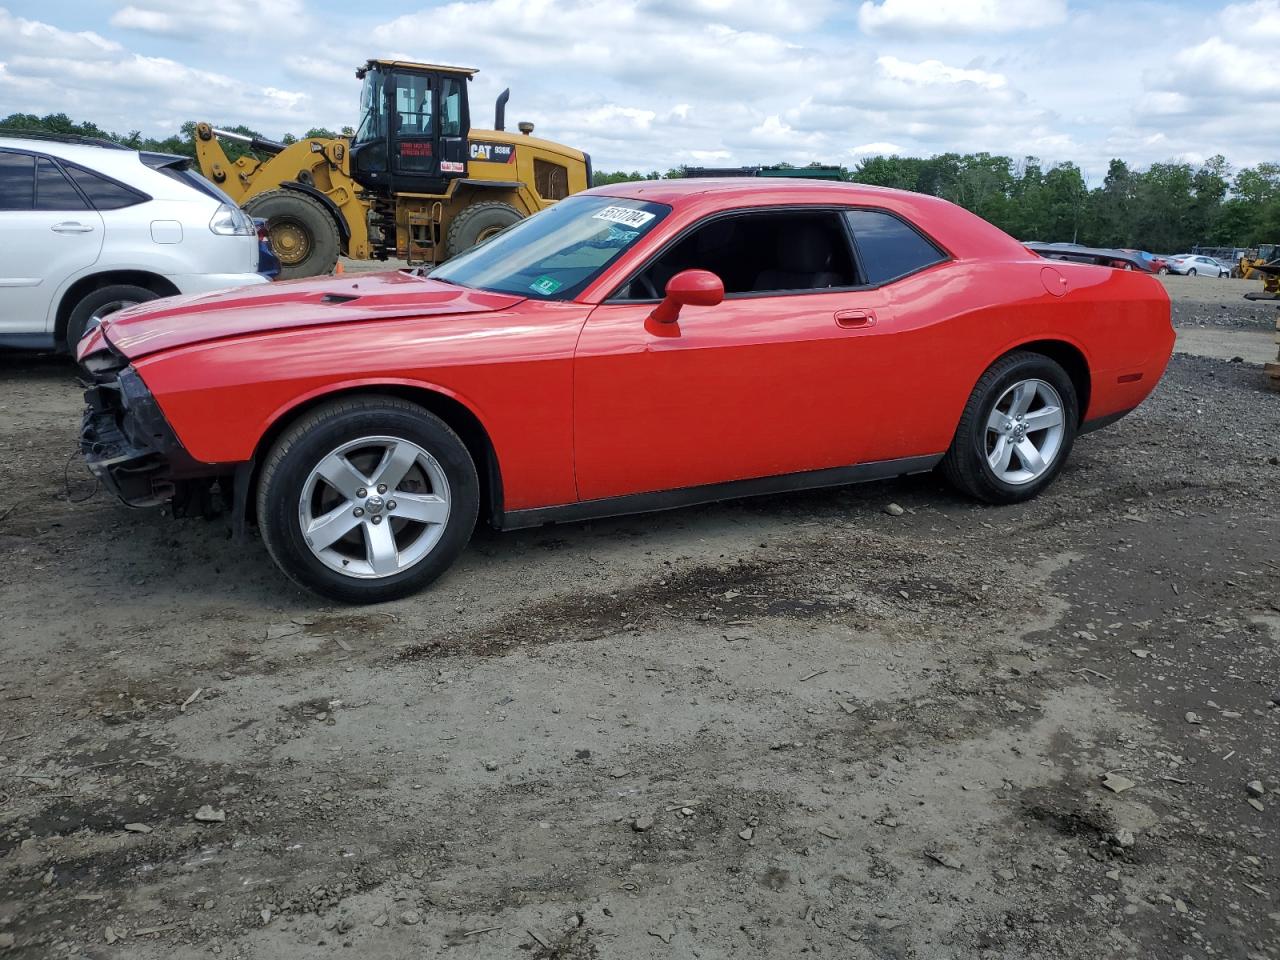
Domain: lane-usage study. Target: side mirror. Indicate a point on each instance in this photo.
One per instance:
(696, 288)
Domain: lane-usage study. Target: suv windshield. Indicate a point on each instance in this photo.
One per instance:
(555, 254)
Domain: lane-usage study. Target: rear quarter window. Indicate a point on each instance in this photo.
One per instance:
(888, 247)
(103, 193)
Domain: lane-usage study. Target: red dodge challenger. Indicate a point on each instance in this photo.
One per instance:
(635, 347)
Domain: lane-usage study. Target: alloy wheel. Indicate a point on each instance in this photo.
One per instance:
(374, 507)
(1024, 432)
(104, 311)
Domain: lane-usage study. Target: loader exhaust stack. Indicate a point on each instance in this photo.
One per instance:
(500, 110)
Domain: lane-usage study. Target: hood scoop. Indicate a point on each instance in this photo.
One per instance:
(339, 297)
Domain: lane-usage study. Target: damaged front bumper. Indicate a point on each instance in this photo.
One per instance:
(126, 441)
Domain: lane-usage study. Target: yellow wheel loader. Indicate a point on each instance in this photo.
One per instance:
(416, 182)
(1267, 253)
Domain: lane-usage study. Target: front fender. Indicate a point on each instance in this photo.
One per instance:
(513, 373)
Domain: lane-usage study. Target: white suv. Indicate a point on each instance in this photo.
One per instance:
(87, 228)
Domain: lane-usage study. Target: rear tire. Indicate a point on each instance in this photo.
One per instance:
(1191, 272)
(303, 233)
(101, 303)
(992, 412)
(396, 529)
(478, 223)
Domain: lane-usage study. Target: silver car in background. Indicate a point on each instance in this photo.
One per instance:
(90, 227)
(1197, 265)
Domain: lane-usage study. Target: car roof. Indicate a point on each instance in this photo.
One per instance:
(962, 233)
(674, 191)
(94, 157)
(119, 163)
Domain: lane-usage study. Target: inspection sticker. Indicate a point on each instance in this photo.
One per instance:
(625, 215)
(546, 285)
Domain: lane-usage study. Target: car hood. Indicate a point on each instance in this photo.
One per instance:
(183, 321)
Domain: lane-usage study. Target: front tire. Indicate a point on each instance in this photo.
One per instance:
(303, 234)
(478, 223)
(1016, 430)
(367, 499)
(100, 304)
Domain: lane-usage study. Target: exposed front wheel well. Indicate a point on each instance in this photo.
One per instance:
(1071, 360)
(161, 286)
(455, 414)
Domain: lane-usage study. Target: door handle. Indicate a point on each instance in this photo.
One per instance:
(855, 318)
(71, 226)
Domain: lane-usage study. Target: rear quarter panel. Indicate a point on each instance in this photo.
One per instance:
(948, 324)
(512, 370)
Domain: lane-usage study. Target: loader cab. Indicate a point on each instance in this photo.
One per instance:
(414, 121)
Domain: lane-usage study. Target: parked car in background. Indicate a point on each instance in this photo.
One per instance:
(1098, 256)
(89, 227)
(635, 347)
(1195, 265)
(1149, 261)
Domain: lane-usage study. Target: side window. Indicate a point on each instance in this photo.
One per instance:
(17, 181)
(450, 107)
(759, 252)
(889, 248)
(413, 106)
(53, 190)
(104, 194)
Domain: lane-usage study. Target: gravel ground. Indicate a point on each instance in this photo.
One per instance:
(766, 728)
(1214, 319)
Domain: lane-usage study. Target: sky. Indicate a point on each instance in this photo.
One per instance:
(653, 84)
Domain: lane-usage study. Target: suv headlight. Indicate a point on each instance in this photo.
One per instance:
(229, 221)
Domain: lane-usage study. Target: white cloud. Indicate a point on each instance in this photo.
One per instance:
(783, 16)
(934, 72)
(1258, 22)
(1213, 95)
(44, 69)
(644, 84)
(966, 16)
(188, 20)
(18, 36)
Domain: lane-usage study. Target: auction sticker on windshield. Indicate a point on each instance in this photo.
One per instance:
(546, 285)
(624, 215)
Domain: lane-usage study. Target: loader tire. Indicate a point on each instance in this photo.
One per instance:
(303, 233)
(477, 223)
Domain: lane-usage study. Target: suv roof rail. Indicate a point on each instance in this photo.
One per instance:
(21, 133)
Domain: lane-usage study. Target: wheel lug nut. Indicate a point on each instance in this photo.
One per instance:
(377, 519)
(362, 492)
(359, 511)
(382, 488)
(391, 504)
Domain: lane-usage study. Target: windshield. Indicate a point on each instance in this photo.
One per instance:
(373, 109)
(555, 254)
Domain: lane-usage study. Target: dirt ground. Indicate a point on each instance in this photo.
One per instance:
(1214, 321)
(760, 729)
